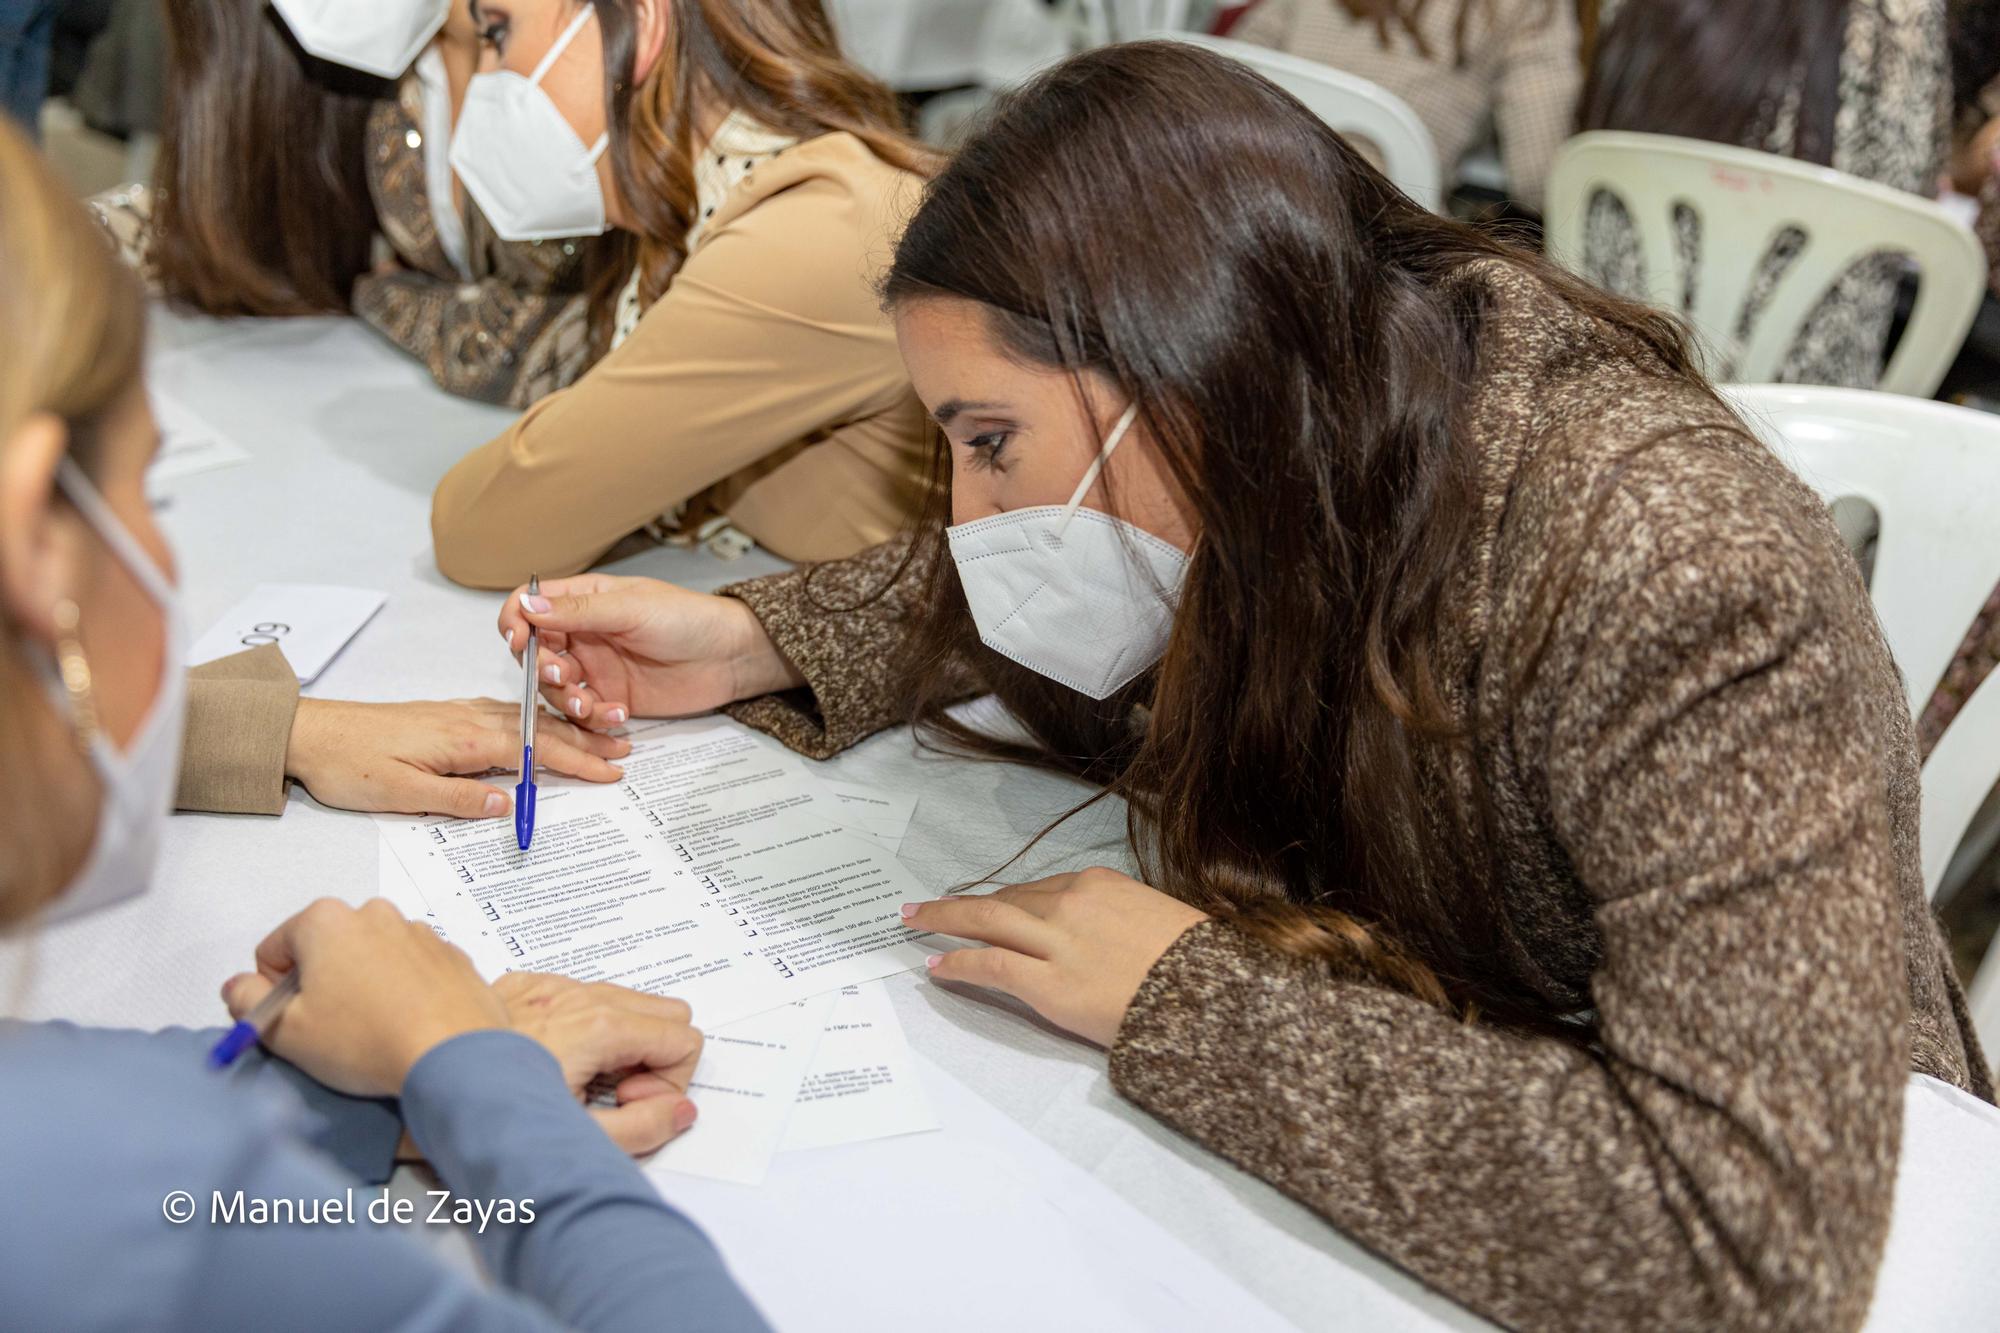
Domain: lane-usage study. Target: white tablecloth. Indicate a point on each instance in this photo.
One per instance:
(347, 439)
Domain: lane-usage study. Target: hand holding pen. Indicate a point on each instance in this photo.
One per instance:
(250, 1029)
(355, 996)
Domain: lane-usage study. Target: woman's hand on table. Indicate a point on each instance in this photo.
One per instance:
(1074, 947)
(404, 757)
(614, 648)
(642, 1046)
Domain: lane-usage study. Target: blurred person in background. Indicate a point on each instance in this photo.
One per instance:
(27, 28)
(1862, 86)
(291, 182)
(1462, 65)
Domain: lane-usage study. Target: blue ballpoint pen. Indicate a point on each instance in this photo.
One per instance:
(524, 793)
(254, 1024)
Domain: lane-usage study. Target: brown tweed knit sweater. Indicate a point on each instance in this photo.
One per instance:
(1707, 805)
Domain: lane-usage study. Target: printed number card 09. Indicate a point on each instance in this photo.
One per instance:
(310, 623)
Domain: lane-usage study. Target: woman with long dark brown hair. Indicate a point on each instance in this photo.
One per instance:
(282, 159)
(1523, 794)
(752, 181)
(1862, 86)
(278, 165)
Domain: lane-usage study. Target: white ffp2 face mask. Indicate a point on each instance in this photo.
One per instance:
(1073, 594)
(379, 37)
(137, 786)
(532, 177)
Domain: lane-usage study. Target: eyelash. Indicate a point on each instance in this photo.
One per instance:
(983, 451)
(494, 34)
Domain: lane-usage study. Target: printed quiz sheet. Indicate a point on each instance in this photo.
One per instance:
(717, 871)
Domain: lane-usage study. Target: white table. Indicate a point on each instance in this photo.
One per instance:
(347, 439)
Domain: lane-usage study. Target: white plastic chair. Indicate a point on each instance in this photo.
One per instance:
(1932, 472)
(1353, 106)
(1745, 200)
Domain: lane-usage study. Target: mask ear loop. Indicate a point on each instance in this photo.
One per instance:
(555, 52)
(1096, 467)
(562, 43)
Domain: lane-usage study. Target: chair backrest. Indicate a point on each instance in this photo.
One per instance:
(1932, 472)
(1745, 201)
(1353, 107)
(1958, 774)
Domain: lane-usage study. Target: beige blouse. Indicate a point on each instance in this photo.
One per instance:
(239, 726)
(764, 385)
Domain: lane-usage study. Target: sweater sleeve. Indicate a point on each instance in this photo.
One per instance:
(239, 726)
(842, 624)
(572, 1232)
(492, 340)
(1723, 1155)
(603, 1250)
(359, 1133)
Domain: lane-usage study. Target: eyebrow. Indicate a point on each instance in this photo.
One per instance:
(951, 409)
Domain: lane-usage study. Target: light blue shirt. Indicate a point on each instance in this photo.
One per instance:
(98, 1127)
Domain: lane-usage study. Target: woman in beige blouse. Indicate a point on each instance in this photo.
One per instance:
(751, 392)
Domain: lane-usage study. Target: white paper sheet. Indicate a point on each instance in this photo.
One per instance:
(745, 1085)
(710, 873)
(880, 816)
(862, 1083)
(394, 883)
(188, 444)
(310, 623)
(1937, 1271)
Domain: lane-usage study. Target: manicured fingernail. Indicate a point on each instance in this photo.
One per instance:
(615, 716)
(684, 1115)
(495, 803)
(507, 637)
(538, 605)
(552, 673)
(576, 708)
(933, 961)
(909, 910)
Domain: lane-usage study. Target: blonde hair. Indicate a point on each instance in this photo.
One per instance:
(72, 328)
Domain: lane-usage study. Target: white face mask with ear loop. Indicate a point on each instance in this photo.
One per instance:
(379, 37)
(137, 786)
(530, 174)
(1073, 594)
